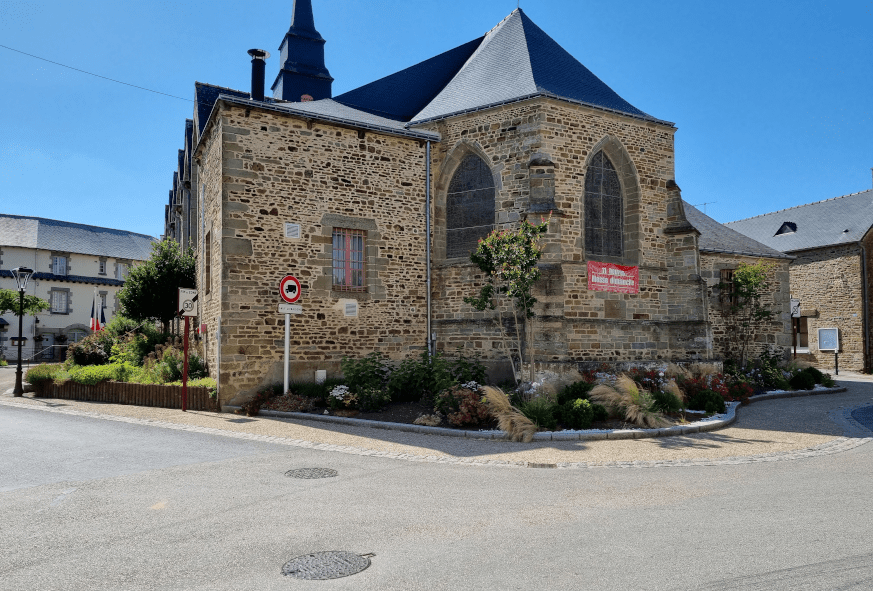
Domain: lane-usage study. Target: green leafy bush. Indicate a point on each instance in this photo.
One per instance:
(828, 381)
(541, 411)
(575, 391)
(467, 369)
(200, 383)
(817, 375)
(463, 407)
(92, 374)
(92, 350)
(576, 414)
(802, 381)
(599, 412)
(371, 371)
(707, 401)
(421, 377)
(3, 362)
(42, 373)
(666, 402)
(373, 400)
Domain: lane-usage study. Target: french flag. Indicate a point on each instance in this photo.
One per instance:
(97, 320)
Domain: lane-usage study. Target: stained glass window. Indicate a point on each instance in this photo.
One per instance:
(604, 208)
(348, 259)
(469, 207)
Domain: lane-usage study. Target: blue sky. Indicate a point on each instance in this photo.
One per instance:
(772, 100)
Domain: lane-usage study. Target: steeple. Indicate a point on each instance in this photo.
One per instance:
(303, 73)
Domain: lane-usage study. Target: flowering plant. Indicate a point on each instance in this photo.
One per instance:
(342, 397)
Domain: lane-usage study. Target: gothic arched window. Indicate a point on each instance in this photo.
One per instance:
(469, 206)
(603, 208)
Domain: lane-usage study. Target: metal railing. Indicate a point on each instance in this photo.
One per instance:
(32, 354)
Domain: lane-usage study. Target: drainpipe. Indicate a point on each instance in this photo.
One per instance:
(866, 322)
(430, 340)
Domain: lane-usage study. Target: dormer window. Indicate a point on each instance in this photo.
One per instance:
(787, 228)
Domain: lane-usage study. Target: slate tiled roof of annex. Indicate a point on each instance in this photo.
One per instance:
(514, 60)
(45, 234)
(206, 95)
(715, 237)
(841, 220)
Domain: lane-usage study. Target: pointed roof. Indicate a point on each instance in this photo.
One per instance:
(302, 21)
(841, 220)
(513, 61)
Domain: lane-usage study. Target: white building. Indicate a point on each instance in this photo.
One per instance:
(70, 261)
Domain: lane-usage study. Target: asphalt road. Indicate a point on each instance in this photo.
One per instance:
(94, 504)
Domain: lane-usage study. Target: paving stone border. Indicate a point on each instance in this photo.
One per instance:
(712, 423)
(855, 435)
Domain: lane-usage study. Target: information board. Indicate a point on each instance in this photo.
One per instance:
(829, 339)
(612, 277)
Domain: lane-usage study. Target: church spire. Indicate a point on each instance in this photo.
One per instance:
(303, 72)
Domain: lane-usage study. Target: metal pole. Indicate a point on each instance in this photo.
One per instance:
(185, 371)
(427, 245)
(796, 324)
(836, 363)
(287, 330)
(19, 389)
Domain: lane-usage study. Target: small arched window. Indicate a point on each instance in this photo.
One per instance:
(469, 207)
(604, 208)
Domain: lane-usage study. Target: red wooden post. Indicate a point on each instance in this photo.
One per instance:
(185, 371)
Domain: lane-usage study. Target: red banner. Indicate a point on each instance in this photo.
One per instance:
(610, 277)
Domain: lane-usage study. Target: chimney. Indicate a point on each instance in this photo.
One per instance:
(259, 65)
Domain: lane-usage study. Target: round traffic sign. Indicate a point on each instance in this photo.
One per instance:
(289, 289)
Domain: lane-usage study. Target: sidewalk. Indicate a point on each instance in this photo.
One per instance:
(766, 430)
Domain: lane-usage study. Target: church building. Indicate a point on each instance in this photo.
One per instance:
(375, 198)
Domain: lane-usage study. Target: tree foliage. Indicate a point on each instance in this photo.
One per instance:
(10, 300)
(509, 260)
(150, 291)
(744, 312)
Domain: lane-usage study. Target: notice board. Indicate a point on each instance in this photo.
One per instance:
(612, 277)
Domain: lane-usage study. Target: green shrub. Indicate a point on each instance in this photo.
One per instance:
(200, 383)
(92, 350)
(707, 401)
(42, 373)
(666, 402)
(600, 413)
(576, 414)
(421, 377)
(463, 407)
(467, 369)
(92, 374)
(575, 391)
(373, 400)
(817, 375)
(541, 411)
(802, 381)
(3, 362)
(371, 371)
(828, 381)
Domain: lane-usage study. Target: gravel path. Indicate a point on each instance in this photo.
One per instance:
(783, 429)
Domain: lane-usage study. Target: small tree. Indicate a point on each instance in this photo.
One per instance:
(508, 258)
(10, 299)
(151, 288)
(742, 308)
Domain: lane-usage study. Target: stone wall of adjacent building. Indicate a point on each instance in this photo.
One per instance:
(828, 282)
(273, 169)
(770, 336)
(538, 151)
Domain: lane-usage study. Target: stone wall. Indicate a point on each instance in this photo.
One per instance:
(828, 283)
(771, 336)
(272, 169)
(539, 151)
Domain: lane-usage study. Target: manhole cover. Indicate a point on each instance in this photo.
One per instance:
(864, 416)
(311, 473)
(320, 566)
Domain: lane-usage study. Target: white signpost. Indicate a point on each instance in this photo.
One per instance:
(186, 305)
(289, 289)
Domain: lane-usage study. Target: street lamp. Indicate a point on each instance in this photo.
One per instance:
(21, 274)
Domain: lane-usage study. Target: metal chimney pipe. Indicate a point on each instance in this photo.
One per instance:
(259, 66)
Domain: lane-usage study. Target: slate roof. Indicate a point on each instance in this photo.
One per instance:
(331, 111)
(71, 278)
(841, 220)
(32, 232)
(513, 61)
(205, 96)
(715, 237)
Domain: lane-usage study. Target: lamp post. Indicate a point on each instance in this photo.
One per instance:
(21, 274)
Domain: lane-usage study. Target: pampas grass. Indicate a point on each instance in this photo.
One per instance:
(700, 370)
(627, 397)
(675, 371)
(509, 419)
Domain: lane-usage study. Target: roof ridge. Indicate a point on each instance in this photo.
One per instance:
(799, 206)
(217, 86)
(31, 217)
